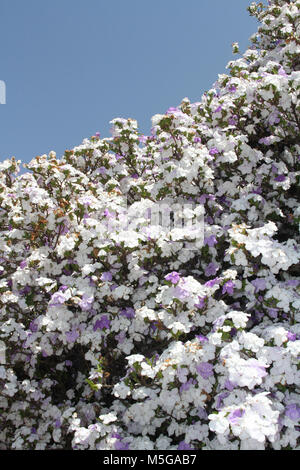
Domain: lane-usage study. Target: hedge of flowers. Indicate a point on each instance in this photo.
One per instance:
(118, 337)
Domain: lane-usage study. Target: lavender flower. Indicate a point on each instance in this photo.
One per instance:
(202, 338)
(72, 336)
(201, 303)
(33, 327)
(280, 178)
(235, 415)
(211, 269)
(184, 446)
(220, 399)
(173, 277)
(212, 282)
(57, 299)
(86, 302)
(205, 369)
(291, 336)
(228, 288)
(210, 241)
(213, 151)
(119, 445)
(106, 276)
(104, 322)
(128, 312)
(259, 284)
(293, 412)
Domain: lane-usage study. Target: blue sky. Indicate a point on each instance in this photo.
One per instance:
(71, 66)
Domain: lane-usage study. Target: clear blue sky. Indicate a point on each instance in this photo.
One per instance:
(70, 66)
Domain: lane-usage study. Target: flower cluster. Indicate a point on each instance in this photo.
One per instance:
(117, 335)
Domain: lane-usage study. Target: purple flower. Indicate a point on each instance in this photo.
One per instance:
(265, 141)
(57, 299)
(201, 338)
(279, 178)
(97, 134)
(121, 337)
(232, 88)
(119, 445)
(128, 312)
(293, 412)
(229, 385)
(213, 151)
(33, 430)
(104, 322)
(233, 332)
(106, 276)
(259, 284)
(57, 423)
(184, 446)
(293, 282)
(33, 327)
(173, 277)
(197, 140)
(23, 264)
(282, 72)
(202, 198)
(233, 120)
(259, 370)
(228, 288)
(205, 369)
(257, 191)
(63, 288)
(187, 385)
(211, 269)
(201, 412)
(273, 118)
(86, 302)
(220, 398)
(209, 220)
(291, 336)
(210, 241)
(108, 214)
(212, 282)
(180, 293)
(143, 139)
(72, 336)
(218, 109)
(102, 170)
(171, 110)
(201, 303)
(235, 415)
(68, 363)
(273, 312)
(64, 230)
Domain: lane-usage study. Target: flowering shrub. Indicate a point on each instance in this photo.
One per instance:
(118, 337)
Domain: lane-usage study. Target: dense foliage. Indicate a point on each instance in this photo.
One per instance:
(129, 336)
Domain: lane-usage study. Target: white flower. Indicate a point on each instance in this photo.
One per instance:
(121, 390)
(135, 358)
(108, 418)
